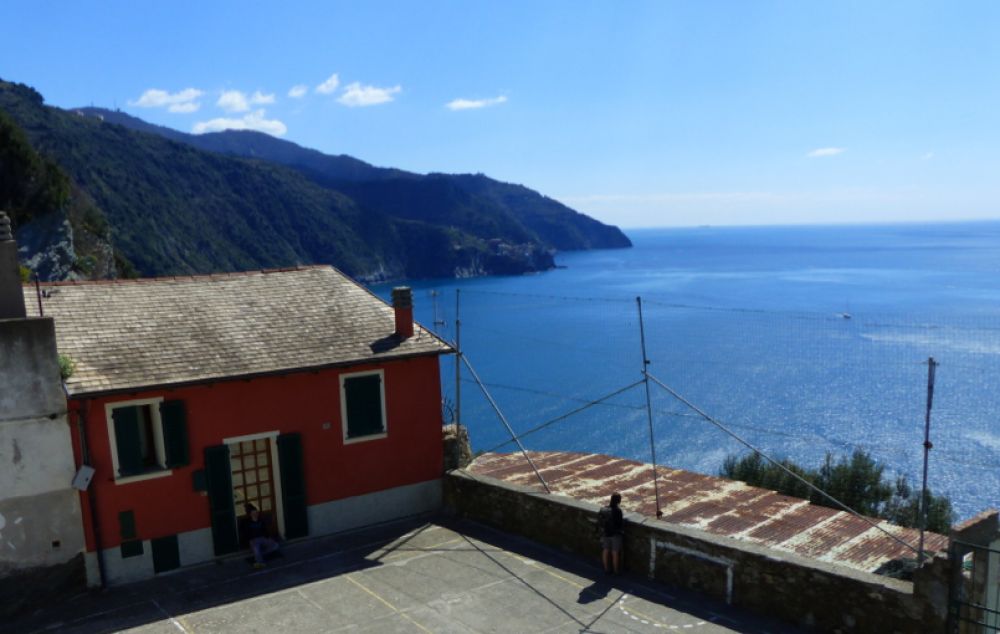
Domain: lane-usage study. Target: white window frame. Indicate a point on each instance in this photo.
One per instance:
(343, 406)
(161, 458)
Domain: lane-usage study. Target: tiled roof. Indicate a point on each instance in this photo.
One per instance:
(129, 334)
(716, 505)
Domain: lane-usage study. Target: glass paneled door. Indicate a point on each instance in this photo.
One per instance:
(253, 478)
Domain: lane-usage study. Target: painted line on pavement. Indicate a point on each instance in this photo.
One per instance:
(386, 603)
(175, 622)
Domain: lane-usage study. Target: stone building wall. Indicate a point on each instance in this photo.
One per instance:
(41, 533)
(808, 593)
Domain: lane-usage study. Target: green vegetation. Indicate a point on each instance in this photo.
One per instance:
(857, 481)
(29, 183)
(25, 273)
(472, 203)
(141, 203)
(66, 366)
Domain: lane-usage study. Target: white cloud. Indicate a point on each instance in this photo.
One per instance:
(181, 101)
(237, 101)
(233, 101)
(328, 86)
(927, 156)
(184, 108)
(260, 99)
(251, 121)
(357, 95)
(472, 104)
(826, 151)
(298, 91)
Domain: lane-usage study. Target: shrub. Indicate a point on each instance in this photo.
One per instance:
(66, 366)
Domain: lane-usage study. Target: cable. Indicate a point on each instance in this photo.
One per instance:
(776, 463)
(564, 416)
(555, 395)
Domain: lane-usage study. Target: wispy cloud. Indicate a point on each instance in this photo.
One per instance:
(328, 86)
(826, 151)
(184, 108)
(183, 101)
(238, 101)
(357, 95)
(251, 121)
(926, 156)
(298, 91)
(258, 98)
(472, 104)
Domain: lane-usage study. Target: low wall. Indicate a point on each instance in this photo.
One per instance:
(808, 593)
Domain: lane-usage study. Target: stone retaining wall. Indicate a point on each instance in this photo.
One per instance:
(808, 593)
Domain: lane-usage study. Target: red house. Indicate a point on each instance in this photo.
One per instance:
(297, 390)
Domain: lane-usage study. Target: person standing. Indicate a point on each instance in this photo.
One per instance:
(613, 530)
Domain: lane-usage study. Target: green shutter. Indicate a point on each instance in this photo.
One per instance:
(364, 405)
(166, 553)
(218, 478)
(293, 485)
(173, 419)
(126, 523)
(127, 440)
(132, 548)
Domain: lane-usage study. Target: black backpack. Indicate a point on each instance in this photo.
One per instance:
(605, 521)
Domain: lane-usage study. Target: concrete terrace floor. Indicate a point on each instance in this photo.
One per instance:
(423, 575)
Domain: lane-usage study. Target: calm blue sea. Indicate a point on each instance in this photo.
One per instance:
(749, 325)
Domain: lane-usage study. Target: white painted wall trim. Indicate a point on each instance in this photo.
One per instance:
(374, 508)
(154, 409)
(324, 519)
(343, 406)
(260, 436)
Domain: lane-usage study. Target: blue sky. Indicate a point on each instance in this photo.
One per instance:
(638, 113)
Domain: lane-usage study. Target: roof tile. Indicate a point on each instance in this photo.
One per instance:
(130, 334)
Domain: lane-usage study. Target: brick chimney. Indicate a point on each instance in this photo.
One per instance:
(402, 305)
(11, 296)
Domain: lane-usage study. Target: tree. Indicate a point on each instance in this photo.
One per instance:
(857, 481)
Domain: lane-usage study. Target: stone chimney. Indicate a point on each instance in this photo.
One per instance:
(402, 305)
(11, 295)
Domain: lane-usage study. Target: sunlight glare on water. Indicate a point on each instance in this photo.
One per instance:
(804, 340)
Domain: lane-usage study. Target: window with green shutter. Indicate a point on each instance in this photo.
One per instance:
(363, 405)
(173, 421)
(148, 436)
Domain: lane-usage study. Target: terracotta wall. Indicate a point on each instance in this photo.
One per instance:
(305, 402)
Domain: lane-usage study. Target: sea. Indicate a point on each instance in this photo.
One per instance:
(797, 341)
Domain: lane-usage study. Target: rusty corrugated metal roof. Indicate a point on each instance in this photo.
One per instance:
(713, 504)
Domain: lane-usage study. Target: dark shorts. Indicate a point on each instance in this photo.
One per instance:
(612, 542)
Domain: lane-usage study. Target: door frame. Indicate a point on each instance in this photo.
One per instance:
(279, 509)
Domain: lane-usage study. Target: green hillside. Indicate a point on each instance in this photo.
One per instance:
(472, 202)
(109, 200)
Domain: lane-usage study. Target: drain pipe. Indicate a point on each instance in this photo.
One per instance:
(81, 428)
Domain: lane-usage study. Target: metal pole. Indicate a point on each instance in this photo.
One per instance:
(503, 419)
(38, 294)
(437, 318)
(931, 366)
(649, 406)
(458, 360)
